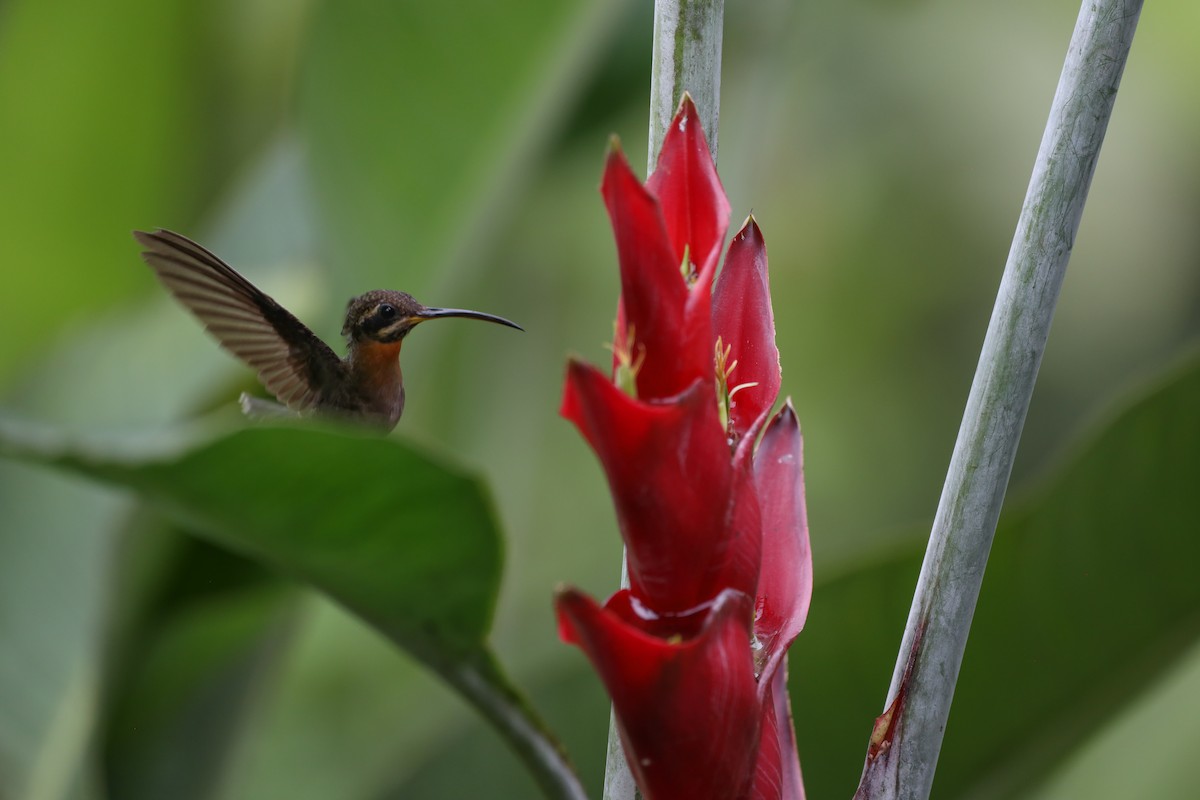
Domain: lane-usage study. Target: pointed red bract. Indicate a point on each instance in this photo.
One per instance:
(672, 479)
(694, 652)
(785, 581)
(742, 317)
(654, 296)
(743, 559)
(686, 705)
(686, 184)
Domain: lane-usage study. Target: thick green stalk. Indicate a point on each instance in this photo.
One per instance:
(903, 756)
(686, 58)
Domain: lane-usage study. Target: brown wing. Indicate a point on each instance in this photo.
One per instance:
(292, 362)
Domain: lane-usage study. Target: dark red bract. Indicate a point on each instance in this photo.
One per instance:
(708, 488)
(678, 747)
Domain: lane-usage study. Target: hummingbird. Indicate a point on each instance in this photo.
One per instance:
(292, 362)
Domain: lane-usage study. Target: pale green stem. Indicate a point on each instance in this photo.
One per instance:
(686, 58)
(962, 533)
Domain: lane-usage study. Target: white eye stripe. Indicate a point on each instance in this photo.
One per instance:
(393, 327)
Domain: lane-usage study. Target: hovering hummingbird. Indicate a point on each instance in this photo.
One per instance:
(292, 362)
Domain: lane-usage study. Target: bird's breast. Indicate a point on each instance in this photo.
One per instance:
(375, 369)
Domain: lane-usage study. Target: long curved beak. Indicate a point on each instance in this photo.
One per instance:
(439, 313)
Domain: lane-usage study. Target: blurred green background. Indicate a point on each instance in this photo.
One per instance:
(454, 150)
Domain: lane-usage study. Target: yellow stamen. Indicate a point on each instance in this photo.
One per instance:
(724, 369)
(687, 268)
(740, 386)
(628, 364)
(720, 359)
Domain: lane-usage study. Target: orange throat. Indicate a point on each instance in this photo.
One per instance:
(377, 365)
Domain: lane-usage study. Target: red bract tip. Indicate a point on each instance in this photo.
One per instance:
(654, 295)
(742, 317)
(686, 184)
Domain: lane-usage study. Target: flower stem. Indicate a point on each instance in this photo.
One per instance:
(686, 58)
(936, 635)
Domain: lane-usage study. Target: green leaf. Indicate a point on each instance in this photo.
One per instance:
(401, 539)
(1090, 593)
(404, 541)
(1158, 733)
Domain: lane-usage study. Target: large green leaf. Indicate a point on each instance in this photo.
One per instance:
(1157, 733)
(401, 539)
(1091, 593)
(406, 542)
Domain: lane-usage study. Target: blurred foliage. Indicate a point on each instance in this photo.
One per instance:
(1078, 612)
(454, 151)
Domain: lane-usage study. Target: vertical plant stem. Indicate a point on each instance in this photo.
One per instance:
(907, 739)
(686, 58)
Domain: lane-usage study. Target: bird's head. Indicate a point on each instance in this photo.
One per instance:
(386, 316)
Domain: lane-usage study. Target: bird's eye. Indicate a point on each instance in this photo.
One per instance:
(387, 311)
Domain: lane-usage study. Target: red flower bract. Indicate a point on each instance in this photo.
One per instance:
(777, 773)
(785, 583)
(655, 683)
(693, 653)
(688, 513)
(742, 317)
(660, 321)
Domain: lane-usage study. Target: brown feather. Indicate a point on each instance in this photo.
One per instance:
(291, 361)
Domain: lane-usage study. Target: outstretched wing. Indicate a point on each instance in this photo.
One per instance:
(292, 362)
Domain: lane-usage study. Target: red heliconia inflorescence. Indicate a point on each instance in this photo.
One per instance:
(708, 488)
